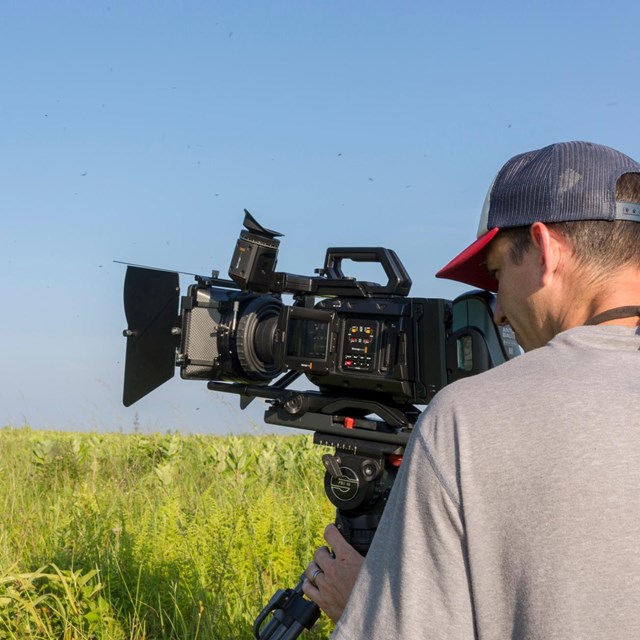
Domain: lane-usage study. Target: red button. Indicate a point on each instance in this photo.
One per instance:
(394, 460)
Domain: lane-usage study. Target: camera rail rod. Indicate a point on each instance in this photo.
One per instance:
(314, 412)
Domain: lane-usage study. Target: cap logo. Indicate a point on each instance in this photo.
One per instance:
(568, 180)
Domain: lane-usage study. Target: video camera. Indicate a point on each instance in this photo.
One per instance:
(373, 354)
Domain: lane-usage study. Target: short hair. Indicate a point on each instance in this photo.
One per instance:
(601, 246)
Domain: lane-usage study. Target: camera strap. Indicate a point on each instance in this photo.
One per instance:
(614, 314)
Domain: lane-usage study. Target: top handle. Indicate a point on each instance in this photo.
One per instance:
(398, 280)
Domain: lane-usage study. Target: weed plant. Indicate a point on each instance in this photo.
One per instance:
(133, 537)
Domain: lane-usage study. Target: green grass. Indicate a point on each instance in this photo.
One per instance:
(131, 537)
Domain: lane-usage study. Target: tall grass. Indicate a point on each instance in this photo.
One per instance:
(131, 537)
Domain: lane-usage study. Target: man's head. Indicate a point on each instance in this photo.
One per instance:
(562, 184)
(571, 209)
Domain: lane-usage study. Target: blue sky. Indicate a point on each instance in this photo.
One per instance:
(138, 131)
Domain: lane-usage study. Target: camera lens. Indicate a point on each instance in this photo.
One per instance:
(263, 339)
(255, 335)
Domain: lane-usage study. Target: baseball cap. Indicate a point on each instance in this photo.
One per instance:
(562, 182)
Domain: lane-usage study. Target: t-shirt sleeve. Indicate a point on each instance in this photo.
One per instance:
(414, 582)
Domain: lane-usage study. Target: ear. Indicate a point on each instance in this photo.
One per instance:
(550, 246)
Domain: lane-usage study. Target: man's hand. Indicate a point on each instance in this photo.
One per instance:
(330, 576)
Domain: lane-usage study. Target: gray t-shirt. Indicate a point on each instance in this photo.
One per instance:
(516, 512)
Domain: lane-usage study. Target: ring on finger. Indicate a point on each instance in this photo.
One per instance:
(314, 575)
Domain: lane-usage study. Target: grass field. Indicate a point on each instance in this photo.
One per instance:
(132, 537)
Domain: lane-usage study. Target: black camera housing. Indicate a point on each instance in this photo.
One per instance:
(393, 347)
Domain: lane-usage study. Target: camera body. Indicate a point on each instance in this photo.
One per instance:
(392, 347)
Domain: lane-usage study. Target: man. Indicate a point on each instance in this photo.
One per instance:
(516, 512)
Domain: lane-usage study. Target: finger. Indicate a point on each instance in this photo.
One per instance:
(317, 575)
(310, 590)
(312, 567)
(336, 540)
(323, 557)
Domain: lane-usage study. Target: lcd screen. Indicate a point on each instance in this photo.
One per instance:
(307, 338)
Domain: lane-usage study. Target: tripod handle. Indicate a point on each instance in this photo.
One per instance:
(292, 614)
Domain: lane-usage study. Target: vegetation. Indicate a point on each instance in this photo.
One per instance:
(131, 537)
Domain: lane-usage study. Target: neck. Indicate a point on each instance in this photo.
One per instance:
(591, 303)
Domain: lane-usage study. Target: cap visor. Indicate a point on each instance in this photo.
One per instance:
(469, 266)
